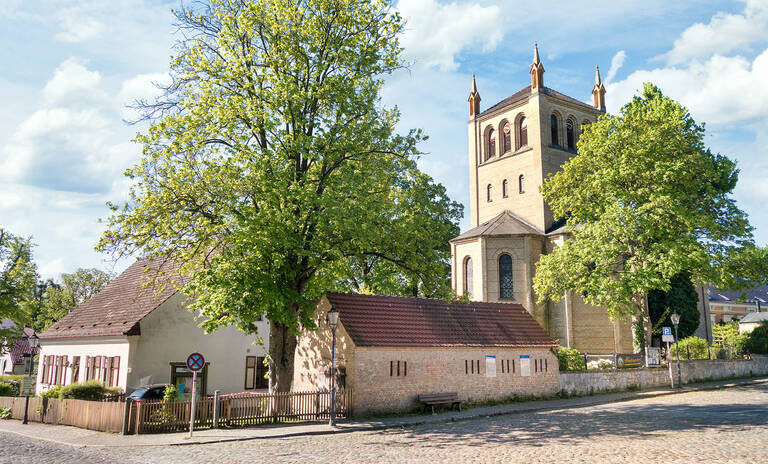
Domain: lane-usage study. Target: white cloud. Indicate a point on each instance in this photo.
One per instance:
(141, 87)
(72, 83)
(723, 34)
(436, 33)
(78, 28)
(616, 63)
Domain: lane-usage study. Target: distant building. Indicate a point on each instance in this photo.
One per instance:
(727, 305)
(12, 362)
(749, 322)
(130, 335)
(513, 146)
(393, 349)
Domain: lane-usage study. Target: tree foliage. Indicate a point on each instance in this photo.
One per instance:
(57, 300)
(272, 173)
(680, 298)
(646, 200)
(18, 275)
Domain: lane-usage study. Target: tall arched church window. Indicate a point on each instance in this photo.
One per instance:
(522, 133)
(553, 129)
(490, 192)
(506, 132)
(506, 289)
(521, 183)
(569, 136)
(505, 189)
(467, 287)
(491, 144)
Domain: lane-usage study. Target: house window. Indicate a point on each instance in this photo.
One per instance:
(255, 373)
(505, 189)
(471, 366)
(467, 287)
(75, 369)
(522, 133)
(505, 278)
(114, 371)
(570, 141)
(96, 367)
(398, 368)
(553, 129)
(491, 144)
(489, 192)
(521, 184)
(506, 131)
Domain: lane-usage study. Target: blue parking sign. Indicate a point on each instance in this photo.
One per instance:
(666, 330)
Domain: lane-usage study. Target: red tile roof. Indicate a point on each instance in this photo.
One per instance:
(120, 306)
(374, 320)
(21, 346)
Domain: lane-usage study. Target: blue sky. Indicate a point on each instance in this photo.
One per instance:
(69, 68)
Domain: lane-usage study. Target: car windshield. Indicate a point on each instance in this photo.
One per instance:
(138, 393)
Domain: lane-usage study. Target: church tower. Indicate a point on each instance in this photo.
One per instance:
(514, 146)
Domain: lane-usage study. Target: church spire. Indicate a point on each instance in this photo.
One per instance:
(598, 91)
(537, 70)
(474, 99)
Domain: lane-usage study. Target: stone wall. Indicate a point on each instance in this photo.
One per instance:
(586, 382)
(378, 388)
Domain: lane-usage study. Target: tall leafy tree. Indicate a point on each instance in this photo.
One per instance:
(646, 200)
(18, 276)
(271, 166)
(57, 300)
(680, 298)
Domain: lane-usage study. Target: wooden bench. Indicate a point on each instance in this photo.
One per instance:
(433, 399)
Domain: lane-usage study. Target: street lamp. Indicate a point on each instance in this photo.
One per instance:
(333, 322)
(29, 359)
(675, 321)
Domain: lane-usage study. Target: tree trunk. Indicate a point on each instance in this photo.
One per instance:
(645, 314)
(282, 349)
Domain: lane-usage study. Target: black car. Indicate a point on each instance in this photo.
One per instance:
(148, 393)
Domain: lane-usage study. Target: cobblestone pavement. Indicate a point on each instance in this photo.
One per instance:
(725, 426)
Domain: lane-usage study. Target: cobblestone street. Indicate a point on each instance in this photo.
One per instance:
(728, 425)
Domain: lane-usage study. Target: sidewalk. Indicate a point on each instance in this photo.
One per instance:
(81, 438)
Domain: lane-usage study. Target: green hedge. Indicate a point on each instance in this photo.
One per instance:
(92, 390)
(569, 359)
(691, 348)
(6, 389)
(757, 340)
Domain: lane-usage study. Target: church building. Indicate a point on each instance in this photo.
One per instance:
(514, 146)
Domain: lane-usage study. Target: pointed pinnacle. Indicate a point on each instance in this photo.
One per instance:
(536, 59)
(474, 84)
(598, 81)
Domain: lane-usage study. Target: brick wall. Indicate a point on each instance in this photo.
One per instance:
(446, 369)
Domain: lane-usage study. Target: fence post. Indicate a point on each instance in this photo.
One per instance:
(216, 394)
(688, 350)
(615, 361)
(126, 418)
(585, 361)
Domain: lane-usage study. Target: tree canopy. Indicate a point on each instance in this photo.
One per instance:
(58, 299)
(645, 200)
(271, 172)
(681, 298)
(18, 275)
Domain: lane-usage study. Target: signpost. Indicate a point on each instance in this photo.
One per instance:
(195, 363)
(652, 356)
(666, 336)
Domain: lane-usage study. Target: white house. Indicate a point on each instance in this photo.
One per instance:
(130, 335)
(12, 358)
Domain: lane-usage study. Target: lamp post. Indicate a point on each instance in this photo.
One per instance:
(33, 342)
(675, 321)
(333, 322)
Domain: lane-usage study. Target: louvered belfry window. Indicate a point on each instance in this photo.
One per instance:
(506, 290)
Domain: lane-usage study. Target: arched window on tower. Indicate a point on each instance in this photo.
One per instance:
(467, 287)
(522, 133)
(505, 189)
(569, 136)
(521, 184)
(506, 137)
(491, 144)
(553, 129)
(506, 290)
(490, 192)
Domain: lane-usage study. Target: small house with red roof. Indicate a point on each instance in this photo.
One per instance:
(12, 360)
(137, 331)
(392, 349)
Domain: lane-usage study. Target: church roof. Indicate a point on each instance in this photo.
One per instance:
(525, 92)
(380, 320)
(506, 223)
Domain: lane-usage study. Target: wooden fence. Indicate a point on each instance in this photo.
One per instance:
(93, 415)
(238, 410)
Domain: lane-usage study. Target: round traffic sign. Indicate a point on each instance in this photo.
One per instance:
(195, 362)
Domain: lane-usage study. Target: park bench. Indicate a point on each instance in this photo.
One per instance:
(433, 399)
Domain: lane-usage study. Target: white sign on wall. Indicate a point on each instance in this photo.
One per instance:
(525, 365)
(490, 366)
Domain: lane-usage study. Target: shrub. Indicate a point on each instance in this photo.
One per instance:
(6, 389)
(757, 340)
(728, 340)
(54, 392)
(569, 359)
(171, 393)
(697, 347)
(14, 383)
(600, 364)
(5, 413)
(92, 390)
